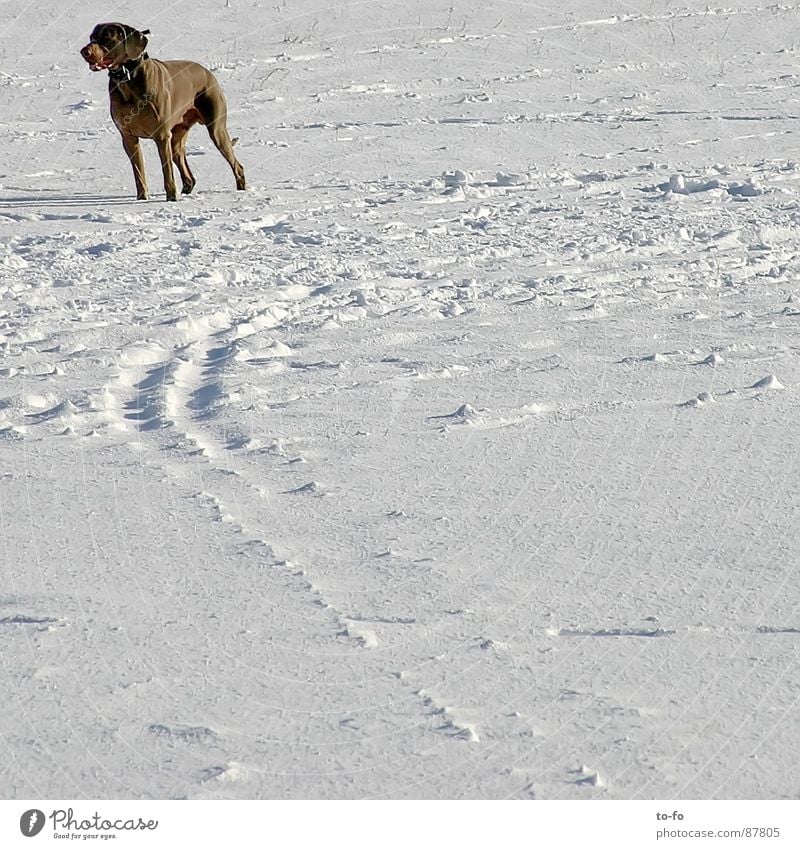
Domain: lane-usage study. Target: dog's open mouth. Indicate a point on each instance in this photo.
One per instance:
(97, 59)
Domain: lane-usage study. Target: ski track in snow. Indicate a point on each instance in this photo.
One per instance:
(450, 460)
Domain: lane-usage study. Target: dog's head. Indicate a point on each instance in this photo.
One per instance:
(111, 45)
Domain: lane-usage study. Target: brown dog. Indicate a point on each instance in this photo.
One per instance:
(159, 100)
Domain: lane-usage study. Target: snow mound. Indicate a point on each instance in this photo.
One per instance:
(768, 382)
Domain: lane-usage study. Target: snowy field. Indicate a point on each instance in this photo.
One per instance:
(456, 457)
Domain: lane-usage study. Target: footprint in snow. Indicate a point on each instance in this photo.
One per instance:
(713, 359)
(465, 414)
(457, 178)
(365, 637)
(80, 106)
(768, 382)
(12, 432)
(310, 488)
(183, 733)
(703, 399)
(611, 632)
(647, 358)
(587, 777)
(25, 619)
(230, 772)
(65, 409)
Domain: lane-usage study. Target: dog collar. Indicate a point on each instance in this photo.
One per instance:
(126, 70)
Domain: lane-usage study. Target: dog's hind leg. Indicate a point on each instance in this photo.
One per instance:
(211, 105)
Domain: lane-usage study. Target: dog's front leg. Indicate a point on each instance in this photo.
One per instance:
(134, 151)
(164, 144)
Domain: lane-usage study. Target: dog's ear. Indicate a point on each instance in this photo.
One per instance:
(135, 42)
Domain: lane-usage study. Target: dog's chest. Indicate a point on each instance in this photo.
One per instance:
(133, 117)
(138, 106)
(129, 97)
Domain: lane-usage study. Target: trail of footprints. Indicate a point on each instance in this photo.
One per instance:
(160, 407)
(177, 391)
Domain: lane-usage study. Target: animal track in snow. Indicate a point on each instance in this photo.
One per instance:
(466, 414)
(452, 726)
(231, 772)
(310, 488)
(26, 619)
(769, 382)
(584, 776)
(700, 400)
(365, 636)
(183, 733)
(611, 632)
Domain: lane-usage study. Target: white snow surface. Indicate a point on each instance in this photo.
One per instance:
(456, 457)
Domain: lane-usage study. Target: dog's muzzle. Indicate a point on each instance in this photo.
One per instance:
(94, 55)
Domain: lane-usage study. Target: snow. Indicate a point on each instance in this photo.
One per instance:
(447, 460)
